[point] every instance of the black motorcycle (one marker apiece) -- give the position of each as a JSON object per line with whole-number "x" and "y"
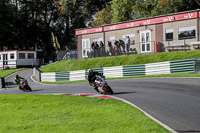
{"x": 23, "y": 85}
{"x": 102, "y": 85}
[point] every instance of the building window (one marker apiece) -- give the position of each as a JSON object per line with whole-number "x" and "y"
{"x": 169, "y": 34}
{"x": 30, "y": 55}
{"x": 85, "y": 47}
{"x": 187, "y": 32}
{"x": 132, "y": 38}
{"x": 112, "y": 40}
{"x": 22, "y": 56}
{"x": 98, "y": 40}
{"x": 12, "y": 56}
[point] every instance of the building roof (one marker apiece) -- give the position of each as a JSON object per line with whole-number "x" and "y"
{"x": 17, "y": 51}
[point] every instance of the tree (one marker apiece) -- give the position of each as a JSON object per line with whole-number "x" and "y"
{"x": 121, "y": 10}
{"x": 151, "y": 8}
{"x": 103, "y": 17}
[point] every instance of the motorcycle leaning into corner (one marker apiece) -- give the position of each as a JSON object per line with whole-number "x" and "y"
{"x": 23, "y": 84}
{"x": 99, "y": 83}
{"x": 103, "y": 87}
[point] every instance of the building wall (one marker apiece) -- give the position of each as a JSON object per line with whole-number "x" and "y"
{"x": 11, "y": 62}
{"x": 26, "y": 61}
{"x": 198, "y": 33}
{"x": 175, "y": 26}
{"x": 157, "y": 31}
{"x": 79, "y": 47}
{"x": 94, "y": 35}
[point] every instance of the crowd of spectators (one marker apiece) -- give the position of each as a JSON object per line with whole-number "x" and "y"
{"x": 119, "y": 47}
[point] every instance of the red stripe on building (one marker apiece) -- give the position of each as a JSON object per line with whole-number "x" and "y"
{"x": 88, "y": 31}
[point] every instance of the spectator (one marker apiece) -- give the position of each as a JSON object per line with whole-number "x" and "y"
{"x": 103, "y": 51}
{"x": 110, "y": 47}
{"x": 93, "y": 49}
{"x": 118, "y": 47}
{"x": 127, "y": 43}
{"x": 96, "y": 49}
{"x": 122, "y": 44}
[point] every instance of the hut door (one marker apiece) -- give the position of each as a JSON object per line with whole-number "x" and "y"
{"x": 145, "y": 41}
{"x": 5, "y": 59}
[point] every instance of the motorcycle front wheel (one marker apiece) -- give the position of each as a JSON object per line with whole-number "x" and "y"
{"x": 108, "y": 89}
{"x": 28, "y": 88}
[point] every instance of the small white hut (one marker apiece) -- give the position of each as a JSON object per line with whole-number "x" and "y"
{"x": 18, "y": 58}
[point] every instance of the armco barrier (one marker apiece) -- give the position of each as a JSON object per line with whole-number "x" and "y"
{"x": 157, "y": 68}
{"x": 112, "y": 72}
{"x": 179, "y": 66}
{"x": 62, "y": 76}
{"x": 77, "y": 75}
{"x": 50, "y": 77}
{"x": 133, "y": 70}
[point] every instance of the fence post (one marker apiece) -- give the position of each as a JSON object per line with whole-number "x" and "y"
{"x": 168, "y": 45}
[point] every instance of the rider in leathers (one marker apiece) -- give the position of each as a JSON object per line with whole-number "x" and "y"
{"x": 91, "y": 78}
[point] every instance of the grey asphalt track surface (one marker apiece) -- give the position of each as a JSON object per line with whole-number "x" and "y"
{"x": 173, "y": 101}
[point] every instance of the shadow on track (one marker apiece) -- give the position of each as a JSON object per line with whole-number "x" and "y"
{"x": 119, "y": 93}
{"x": 37, "y": 90}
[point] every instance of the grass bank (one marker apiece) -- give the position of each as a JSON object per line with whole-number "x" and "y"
{"x": 50, "y": 113}
{"x": 4, "y": 73}
{"x": 72, "y": 65}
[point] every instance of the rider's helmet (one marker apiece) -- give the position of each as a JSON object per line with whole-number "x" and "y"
{"x": 90, "y": 71}
{"x": 17, "y": 76}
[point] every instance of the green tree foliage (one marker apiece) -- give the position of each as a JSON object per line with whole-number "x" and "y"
{"x": 149, "y": 8}
{"x": 103, "y": 17}
{"x": 26, "y": 24}
{"x": 121, "y": 10}
{"x": 7, "y": 19}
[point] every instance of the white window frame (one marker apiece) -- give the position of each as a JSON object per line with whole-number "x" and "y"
{"x": 85, "y": 47}
{"x": 186, "y": 27}
{"x": 145, "y": 42}
{"x": 97, "y": 40}
{"x": 112, "y": 39}
{"x": 10, "y": 56}
{"x": 170, "y": 30}
{"x": 22, "y": 58}
{"x": 33, "y": 55}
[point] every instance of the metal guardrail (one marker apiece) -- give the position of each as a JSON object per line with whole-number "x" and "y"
{"x": 174, "y": 44}
{"x": 178, "y": 66}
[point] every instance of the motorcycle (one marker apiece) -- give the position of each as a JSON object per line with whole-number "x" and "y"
{"x": 23, "y": 85}
{"x": 102, "y": 86}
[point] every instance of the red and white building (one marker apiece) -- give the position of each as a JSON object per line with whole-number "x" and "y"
{"x": 178, "y": 31}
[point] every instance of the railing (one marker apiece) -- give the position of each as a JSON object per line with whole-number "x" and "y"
{"x": 168, "y": 67}
{"x": 175, "y": 44}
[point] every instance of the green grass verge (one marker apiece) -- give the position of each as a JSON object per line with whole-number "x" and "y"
{"x": 143, "y": 76}
{"x": 59, "y": 114}
{"x": 4, "y": 73}
{"x": 72, "y": 65}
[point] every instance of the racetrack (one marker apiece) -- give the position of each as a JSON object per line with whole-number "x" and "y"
{"x": 173, "y": 101}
